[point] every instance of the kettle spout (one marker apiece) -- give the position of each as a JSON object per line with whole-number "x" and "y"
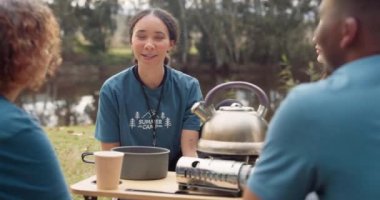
{"x": 204, "y": 113}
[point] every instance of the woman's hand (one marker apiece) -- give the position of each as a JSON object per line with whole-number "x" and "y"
{"x": 189, "y": 142}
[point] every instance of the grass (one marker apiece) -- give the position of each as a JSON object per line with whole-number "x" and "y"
{"x": 69, "y": 143}
{"x": 120, "y": 51}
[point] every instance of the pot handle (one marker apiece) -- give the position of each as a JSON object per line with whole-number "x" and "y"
{"x": 263, "y": 98}
{"x": 84, "y": 154}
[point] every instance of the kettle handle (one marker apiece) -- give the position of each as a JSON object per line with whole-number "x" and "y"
{"x": 263, "y": 98}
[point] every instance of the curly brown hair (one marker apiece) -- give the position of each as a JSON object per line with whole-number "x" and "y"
{"x": 29, "y": 45}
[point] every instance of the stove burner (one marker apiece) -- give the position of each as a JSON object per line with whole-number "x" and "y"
{"x": 204, "y": 175}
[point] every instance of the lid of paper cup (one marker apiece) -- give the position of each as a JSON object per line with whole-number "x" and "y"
{"x": 108, "y": 153}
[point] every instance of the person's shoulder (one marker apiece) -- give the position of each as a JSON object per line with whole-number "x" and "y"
{"x": 117, "y": 79}
{"x": 314, "y": 89}
{"x": 308, "y": 93}
{"x": 14, "y": 120}
{"x": 181, "y": 76}
{"x": 11, "y": 110}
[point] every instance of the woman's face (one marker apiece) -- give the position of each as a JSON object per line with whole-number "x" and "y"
{"x": 150, "y": 41}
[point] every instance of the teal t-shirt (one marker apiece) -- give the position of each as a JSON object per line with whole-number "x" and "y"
{"x": 124, "y": 115}
{"x": 325, "y": 137}
{"x": 29, "y": 168}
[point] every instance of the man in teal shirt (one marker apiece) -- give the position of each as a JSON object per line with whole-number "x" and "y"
{"x": 325, "y": 137}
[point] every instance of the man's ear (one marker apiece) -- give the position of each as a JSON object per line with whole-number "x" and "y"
{"x": 349, "y": 32}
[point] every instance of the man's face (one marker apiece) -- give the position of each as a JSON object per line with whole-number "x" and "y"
{"x": 328, "y": 35}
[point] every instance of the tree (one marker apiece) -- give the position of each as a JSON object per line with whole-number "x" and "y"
{"x": 180, "y": 12}
{"x": 69, "y": 23}
{"x": 97, "y": 18}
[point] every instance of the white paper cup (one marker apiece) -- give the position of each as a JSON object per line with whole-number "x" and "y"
{"x": 107, "y": 168}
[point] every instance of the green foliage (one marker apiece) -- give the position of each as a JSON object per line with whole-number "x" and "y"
{"x": 313, "y": 72}
{"x": 98, "y": 23}
{"x": 224, "y": 33}
{"x": 286, "y": 78}
{"x": 95, "y": 20}
{"x": 112, "y": 57}
{"x": 223, "y": 38}
{"x": 250, "y": 36}
{"x": 69, "y": 23}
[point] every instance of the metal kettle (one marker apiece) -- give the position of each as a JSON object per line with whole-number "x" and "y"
{"x": 234, "y": 130}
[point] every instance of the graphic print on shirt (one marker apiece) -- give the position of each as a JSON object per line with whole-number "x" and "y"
{"x": 145, "y": 122}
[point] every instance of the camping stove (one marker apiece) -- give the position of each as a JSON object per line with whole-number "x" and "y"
{"x": 212, "y": 176}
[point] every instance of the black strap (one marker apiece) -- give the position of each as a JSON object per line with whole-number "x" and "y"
{"x": 153, "y": 115}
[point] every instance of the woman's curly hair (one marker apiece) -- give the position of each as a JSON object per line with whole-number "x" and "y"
{"x": 29, "y": 44}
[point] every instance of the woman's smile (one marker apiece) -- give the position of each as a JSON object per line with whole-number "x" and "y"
{"x": 148, "y": 56}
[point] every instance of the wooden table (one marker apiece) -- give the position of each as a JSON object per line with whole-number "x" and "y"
{"x": 162, "y": 189}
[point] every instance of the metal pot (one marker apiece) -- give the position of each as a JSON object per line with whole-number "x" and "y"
{"x": 144, "y": 162}
{"x": 232, "y": 130}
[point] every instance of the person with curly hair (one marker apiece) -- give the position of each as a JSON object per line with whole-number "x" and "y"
{"x": 29, "y": 52}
